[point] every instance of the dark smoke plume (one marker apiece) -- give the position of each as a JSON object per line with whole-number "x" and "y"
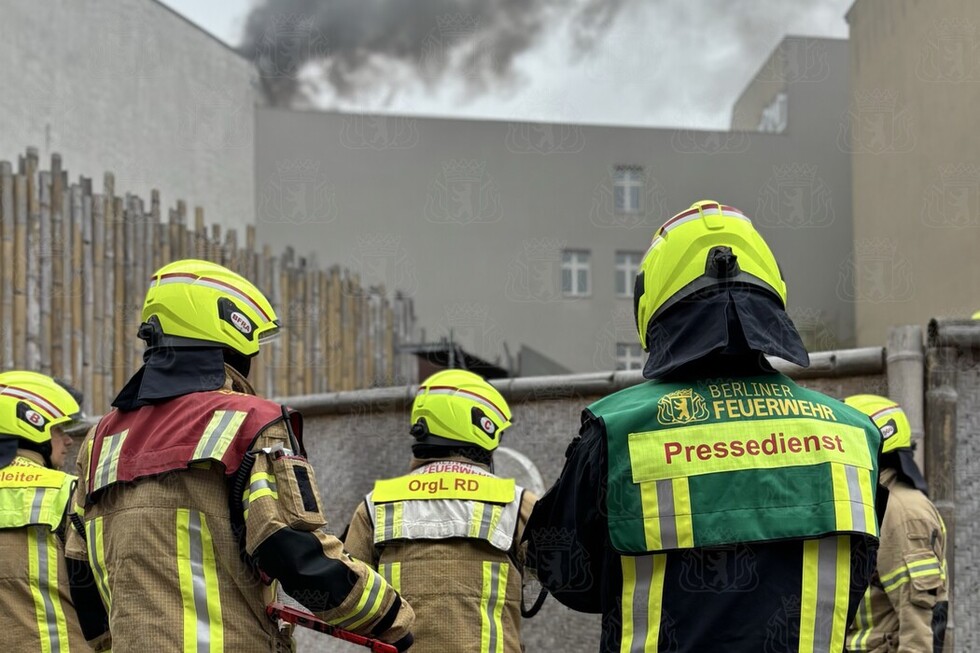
{"x": 355, "y": 44}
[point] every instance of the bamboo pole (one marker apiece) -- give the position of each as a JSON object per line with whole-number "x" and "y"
{"x": 20, "y": 271}
{"x": 130, "y": 244}
{"x": 60, "y": 283}
{"x": 334, "y": 331}
{"x": 7, "y": 219}
{"x": 33, "y": 329}
{"x": 45, "y": 249}
{"x": 109, "y": 305}
{"x": 82, "y": 287}
{"x": 119, "y": 366}
{"x": 99, "y": 316}
{"x": 74, "y": 315}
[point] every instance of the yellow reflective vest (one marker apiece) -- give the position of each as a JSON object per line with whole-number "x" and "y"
{"x": 38, "y": 614}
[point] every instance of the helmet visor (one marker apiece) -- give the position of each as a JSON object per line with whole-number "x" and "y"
{"x": 270, "y": 333}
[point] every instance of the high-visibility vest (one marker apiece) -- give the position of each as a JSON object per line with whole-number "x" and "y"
{"x": 735, "y": 460}
{"x": 218, "y": 426}
{"x": 430, "y": 504}
{"x": 33, "y": 498}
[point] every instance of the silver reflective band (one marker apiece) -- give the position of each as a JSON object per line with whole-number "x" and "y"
{"x": 858, "y": 522}
{"x": 199, "y": 583}
{"x": 665, "y": 506}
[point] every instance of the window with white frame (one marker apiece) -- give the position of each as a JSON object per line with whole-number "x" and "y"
{"x": 627, "y": 264}
{"x": 629, "y": 356}
{"x": 627, "y": 189}
{"x": 575, "y": 273}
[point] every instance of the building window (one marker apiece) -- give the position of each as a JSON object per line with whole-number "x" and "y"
{"x": 629, "y": 356}
{"x": 628, "y": 188}
{"x": 575, "y": 273}
{"x": 627, "y": 264}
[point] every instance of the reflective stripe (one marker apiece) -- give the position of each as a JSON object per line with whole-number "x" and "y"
{"x": 446, "y": 518}
{"x": 926, "y": 567}
{"x": 825, "y": 586}
{"x": 667, "y": 522}
{"x": 485, "y": 517}
{"x": 863, "y": 625}
{"x": 853, "y": 499}
{"x": 220, "y": 431}
{"x": 492, "y": 601}
{"x": 392, "y": 573}
{"x": 466, "y": 394}
{"x": 643, "y": 583}
{"x": 199, "y": 592}
{"x": 107, "y": 467}
{"x": 387, "y": 521}
{"x": 96, "y": 557}
{"x": 368, "y": 604}
{"x": 262, "y": 485}
{"x": 43, "y": 556}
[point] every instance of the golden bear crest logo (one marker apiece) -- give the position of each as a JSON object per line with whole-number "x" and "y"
{"x": 681, "y": 407}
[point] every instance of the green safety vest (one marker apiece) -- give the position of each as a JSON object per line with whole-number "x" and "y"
{"x": 33, "y": 495}
{"x": 735, "y": 460}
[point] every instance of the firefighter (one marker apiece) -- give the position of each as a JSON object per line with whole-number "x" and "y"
{"x": 194, "y": 493}
{"x": 717, "y": 506}
{"x": 34, "y": 495}
{"x": 906, "y": 606}
{"x": 446, "y": 535}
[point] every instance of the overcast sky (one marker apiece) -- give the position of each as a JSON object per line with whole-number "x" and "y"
{"x": 664, "y": 63}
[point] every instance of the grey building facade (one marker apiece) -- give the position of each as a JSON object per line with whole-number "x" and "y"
{"x": 512, "y": 234}
{"x": 131, "y": 87}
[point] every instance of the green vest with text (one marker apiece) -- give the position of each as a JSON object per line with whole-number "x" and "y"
{"x": 750, "y": 459}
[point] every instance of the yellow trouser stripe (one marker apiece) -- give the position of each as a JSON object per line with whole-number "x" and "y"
{"x": 826, "y": 580}
{"x": 96, "y": 557}
{"x": 199, "y": 592}
{"x": 863, "y": 625}
{"x": 368, "y": 604}
{"x": 492, "y": 602}
{"x": 43, "y": 557}
{"x": 643, "y": 583}
{"x": 392, "y": 573}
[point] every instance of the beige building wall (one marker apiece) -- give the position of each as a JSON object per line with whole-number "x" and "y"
{"x": 133, "y": 88}
{"x": 914, "y": 138}
{"x": 471, "y": 217}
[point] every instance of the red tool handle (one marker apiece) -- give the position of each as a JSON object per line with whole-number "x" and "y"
{"x": 308, "y": 620}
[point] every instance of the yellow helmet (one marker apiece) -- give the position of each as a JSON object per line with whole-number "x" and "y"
{"x": 976, "y": 316}
{"x": 708, "y": 245}
{"x": 32, "y": 404}
{"x": 192, "y": 301}
{"x": 455, "y": 406}
{"x": 896, "y": 433}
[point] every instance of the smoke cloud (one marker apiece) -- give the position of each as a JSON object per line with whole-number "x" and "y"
{"x": 354, "y": 45}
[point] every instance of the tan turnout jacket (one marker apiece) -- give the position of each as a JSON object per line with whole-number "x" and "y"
{"x": 466, "y": 593}
{"x": 896, "y": 612}
{"x": 168, "y": 564}
{"x": 37, "y": 614}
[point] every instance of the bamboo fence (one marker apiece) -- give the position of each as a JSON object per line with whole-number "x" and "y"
{"x": 75, "y": 265}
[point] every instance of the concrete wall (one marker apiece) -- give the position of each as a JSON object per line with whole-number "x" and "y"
{"x": 354, "y": 438}
{"x": 470, "y": 217}
{"x": 915, "y": 78}
{"x": 130, "y": 87}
